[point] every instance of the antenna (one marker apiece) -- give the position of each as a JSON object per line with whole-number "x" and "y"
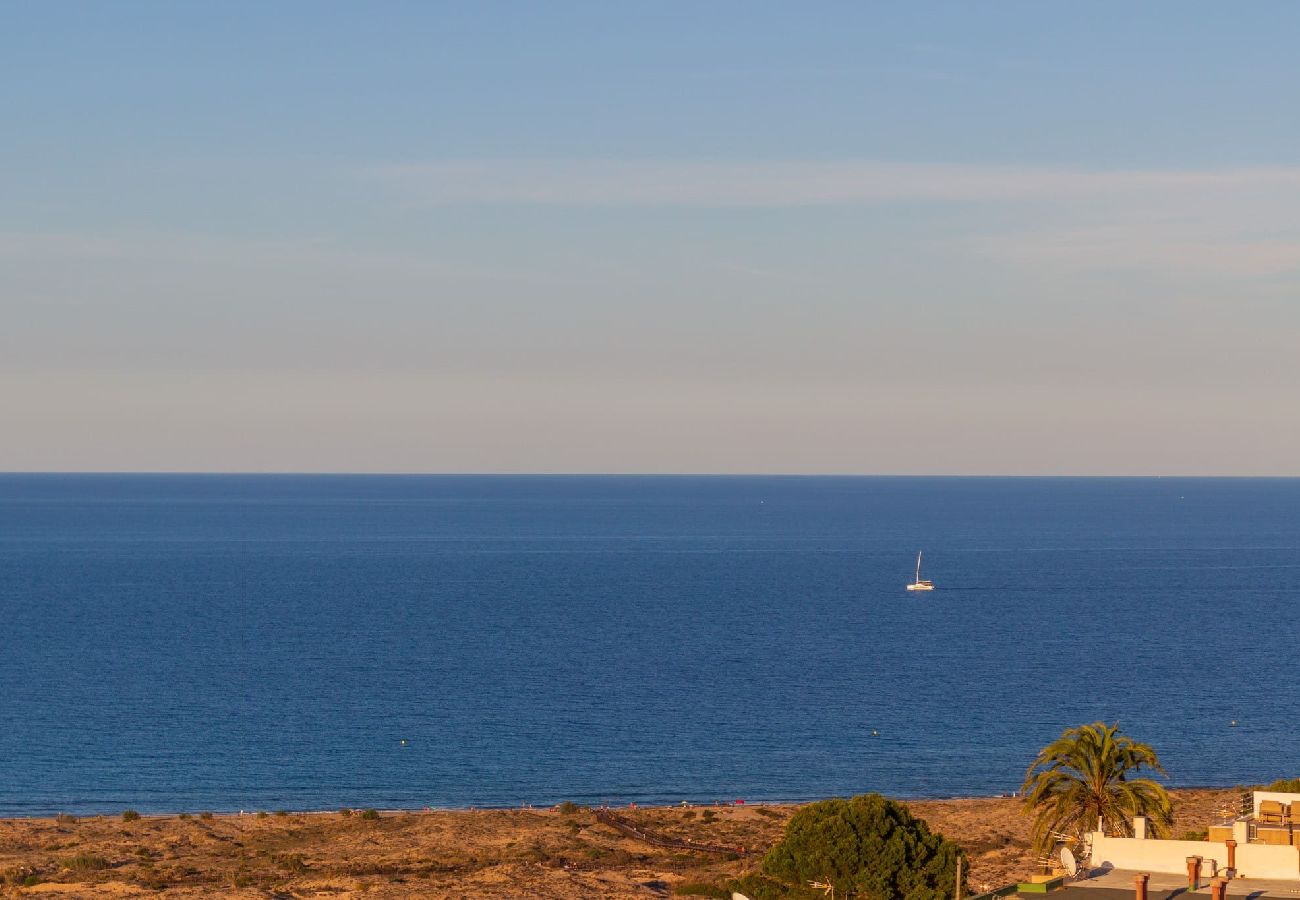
{"x": 1067, "y": 859}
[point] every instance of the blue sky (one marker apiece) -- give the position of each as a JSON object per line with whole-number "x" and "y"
{"x": 708, "y": 237}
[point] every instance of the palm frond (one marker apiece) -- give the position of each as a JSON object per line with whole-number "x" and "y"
{"x": 1090, "y": 774}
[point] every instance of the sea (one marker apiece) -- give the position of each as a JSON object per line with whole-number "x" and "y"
{"x": 224, "y": 642}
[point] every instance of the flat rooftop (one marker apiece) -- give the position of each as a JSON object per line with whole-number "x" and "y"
{"x": 1117, "y": 884}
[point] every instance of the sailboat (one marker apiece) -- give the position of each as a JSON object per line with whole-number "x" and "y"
{"x": 918, "y": 584}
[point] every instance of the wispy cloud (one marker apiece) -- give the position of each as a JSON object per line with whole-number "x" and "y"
{"x": 199, "y": 252}
{"x": 1225, "y": 222}
{"x": 1167, "y": 247}
{"x": 792, "y": 184}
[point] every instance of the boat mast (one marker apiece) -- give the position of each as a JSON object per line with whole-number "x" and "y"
{"x": 918, "y": 567}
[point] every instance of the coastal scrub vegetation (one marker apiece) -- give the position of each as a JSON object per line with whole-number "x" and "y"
{"x": 84, "y": 862}
{"x": 1087, "y": 774}
{"x": 19, "y": 876}
{"x": 470, "y": 853}
{"x": 1286, "y": 785}
{"x": 130, "y": 815}
{"x": 700, "y": 889}
{"x": 868, "y": 845}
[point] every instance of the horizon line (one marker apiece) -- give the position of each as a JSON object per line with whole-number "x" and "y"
{"x": 629, "y": 474}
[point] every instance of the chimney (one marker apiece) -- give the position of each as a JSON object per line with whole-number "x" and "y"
{"x": 1140, "y": 886}
{"x": 1140, "y": 827}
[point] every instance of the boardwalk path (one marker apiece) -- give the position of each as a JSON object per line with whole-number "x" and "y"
{"x": 632, "y": 830}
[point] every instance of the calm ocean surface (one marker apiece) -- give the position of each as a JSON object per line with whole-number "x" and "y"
{"x": 266, "y": 642}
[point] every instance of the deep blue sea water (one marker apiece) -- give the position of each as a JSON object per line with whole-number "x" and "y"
{"x": 264, "y": 642}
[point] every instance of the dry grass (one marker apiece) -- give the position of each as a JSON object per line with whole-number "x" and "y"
{"x": 484, "y": 853}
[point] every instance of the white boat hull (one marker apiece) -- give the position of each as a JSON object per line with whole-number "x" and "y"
{"x": 919, "y": 583}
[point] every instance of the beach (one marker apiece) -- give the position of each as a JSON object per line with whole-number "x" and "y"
{"x": 465, "y": 853}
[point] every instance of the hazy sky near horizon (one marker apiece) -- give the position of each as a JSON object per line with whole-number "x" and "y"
{"x": 1012, "y": 238}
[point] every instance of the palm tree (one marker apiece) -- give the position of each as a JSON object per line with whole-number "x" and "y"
{"x": 1087, "y": 774}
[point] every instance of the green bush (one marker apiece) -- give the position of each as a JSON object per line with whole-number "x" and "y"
{"x": 345, "y": 811}
{"x": 282, "y": 812}
{"x": 760, "y": 887}
{"x": 184, "y": 817}
{"x": 130, "y": 815}
{"x": 65, "y": 819}
{"x": 370, "y": 814}
{"x": 205, "y": 816}
{"x": 695, "y": 889}
{"x": 568, "y": 807}
{"x": 262, "y": 814}
{"x": 1194, "y": 836}
{"x": 1286, "y": 786}
{"x": 868, "y": 845}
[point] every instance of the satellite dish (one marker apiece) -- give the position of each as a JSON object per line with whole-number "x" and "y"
{"x": 1067, "y": 859}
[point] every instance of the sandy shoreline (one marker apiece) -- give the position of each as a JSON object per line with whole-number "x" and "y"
{"x": 463, "y": 852}
{"x": 616, "y": 803}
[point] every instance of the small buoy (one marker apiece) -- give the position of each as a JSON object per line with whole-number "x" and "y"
{"x": 874, "y": 733}
{"x": 403, "y": 742}
{"x": 1234, "y": 723}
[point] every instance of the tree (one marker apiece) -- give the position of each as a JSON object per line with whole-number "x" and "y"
{"x": 869, "y": 846}
{"x": 1088, "y": 774}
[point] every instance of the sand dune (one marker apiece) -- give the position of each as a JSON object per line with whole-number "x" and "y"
{"x": 460, "y": 853}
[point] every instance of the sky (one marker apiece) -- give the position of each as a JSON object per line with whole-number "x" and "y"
{"x": 725, "y": 237}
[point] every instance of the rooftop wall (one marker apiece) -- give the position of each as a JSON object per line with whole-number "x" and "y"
{"x": 1264, "y": 861}
{"x": 1253, "y": 860}
{"x": 1151, "y": 855}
